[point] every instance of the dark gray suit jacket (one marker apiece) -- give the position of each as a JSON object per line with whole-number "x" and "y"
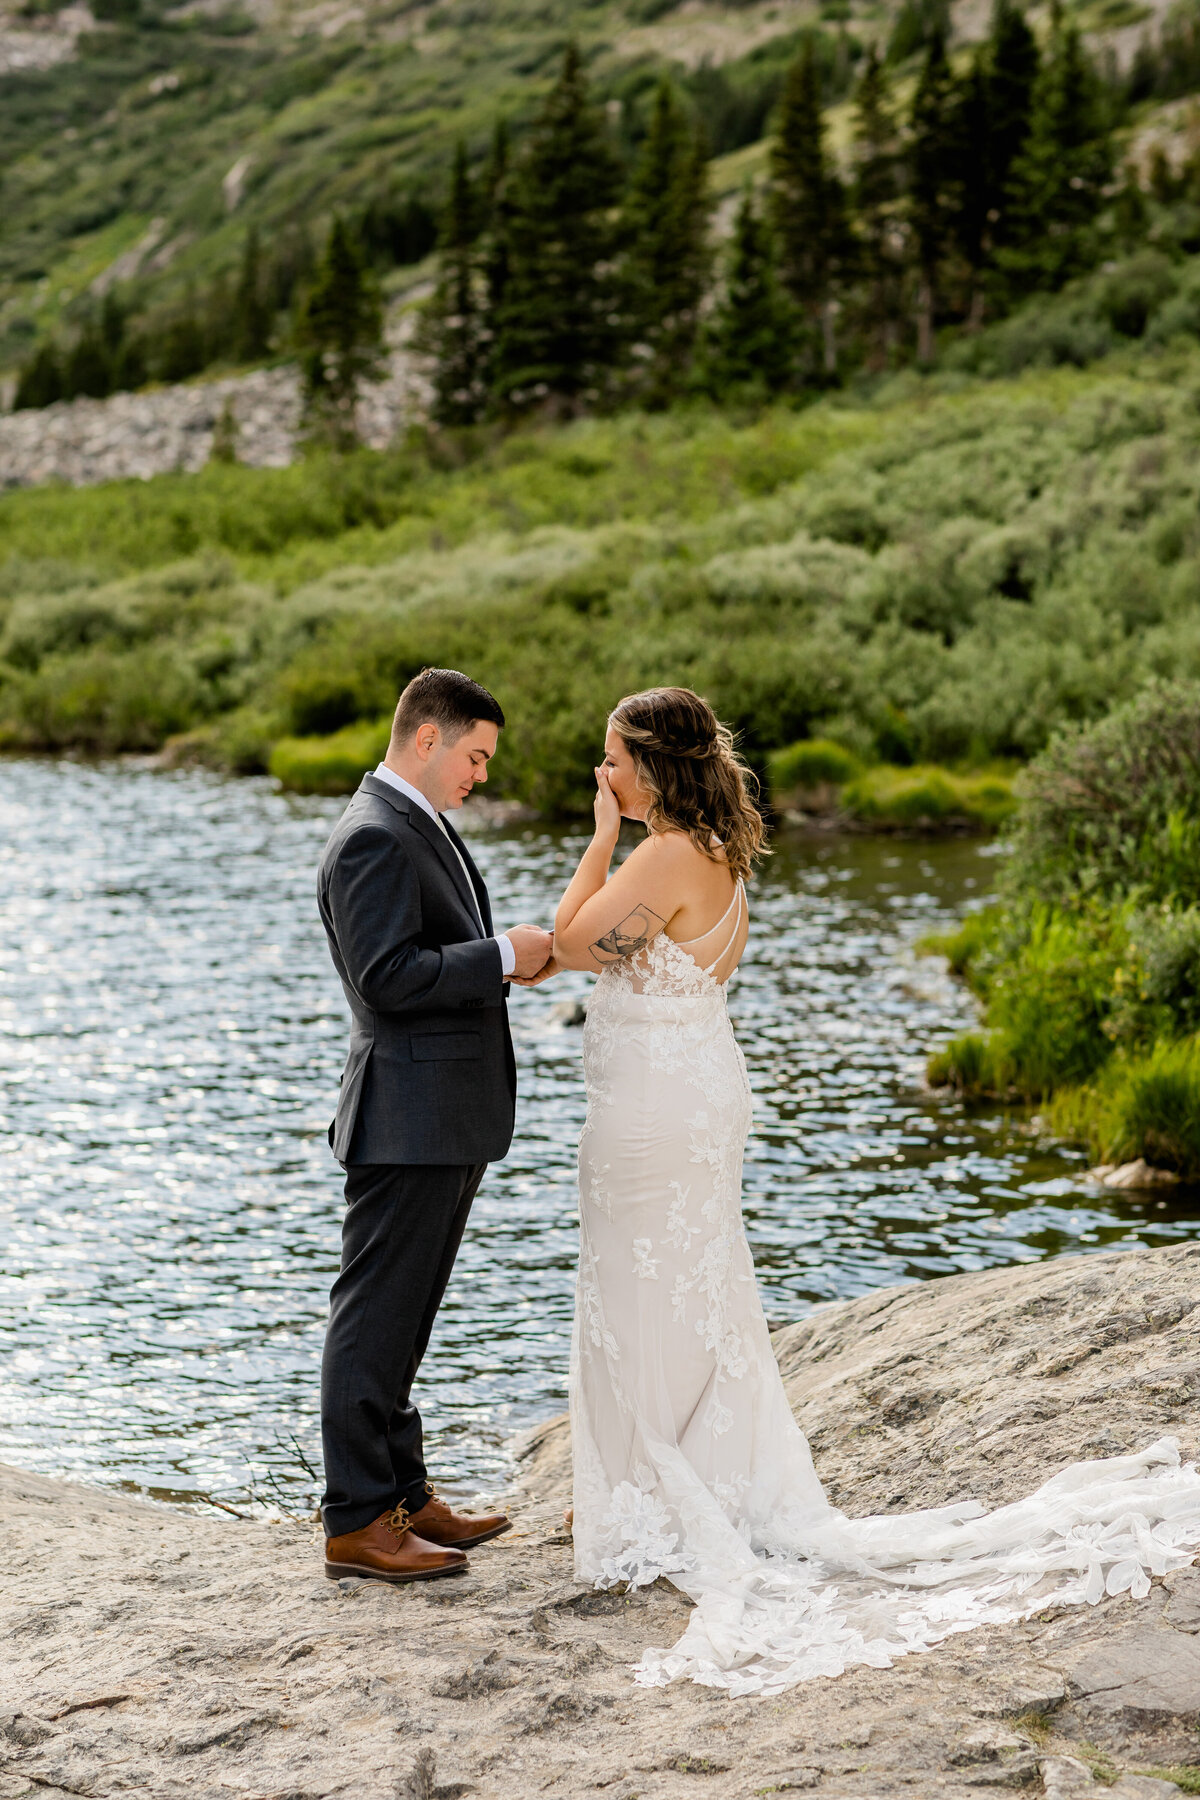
{"x": 430, "y": 1077}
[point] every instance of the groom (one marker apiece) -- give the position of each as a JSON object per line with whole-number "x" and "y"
{"x": 426, "y": 1103}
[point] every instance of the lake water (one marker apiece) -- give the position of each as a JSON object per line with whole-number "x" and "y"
{"x": 171, "y": 1035}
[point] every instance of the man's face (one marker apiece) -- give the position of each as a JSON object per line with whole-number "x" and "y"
{"x": 451, "y": 770}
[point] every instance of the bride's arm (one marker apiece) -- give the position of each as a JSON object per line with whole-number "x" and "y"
{"x": 601, "y": 920}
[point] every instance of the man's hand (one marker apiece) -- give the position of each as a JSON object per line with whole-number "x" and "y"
{"x": 544, "y": 973}
{"x": 532, "y": 947}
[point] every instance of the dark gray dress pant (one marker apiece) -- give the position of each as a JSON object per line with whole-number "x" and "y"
{"x": 400, "y": 1237}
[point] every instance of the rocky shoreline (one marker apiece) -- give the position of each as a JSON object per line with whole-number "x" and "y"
{"x": 158, "y": 1652}
{"x": 167, "y": 430}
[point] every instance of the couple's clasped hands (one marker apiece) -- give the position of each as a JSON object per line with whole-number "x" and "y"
{"x": 533, "y": 948}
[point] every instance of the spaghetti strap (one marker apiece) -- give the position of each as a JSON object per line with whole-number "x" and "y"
{"x": 737, "y": 895}
{"x": 732, "y": 938}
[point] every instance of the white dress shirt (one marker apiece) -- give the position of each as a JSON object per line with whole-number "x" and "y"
{"x": 508, "y": 956}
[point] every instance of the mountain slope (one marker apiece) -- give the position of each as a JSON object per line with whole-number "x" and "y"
{"x": 146, "y": 146}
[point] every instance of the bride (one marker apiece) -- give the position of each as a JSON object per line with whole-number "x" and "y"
{"x": 688, "y": 1462}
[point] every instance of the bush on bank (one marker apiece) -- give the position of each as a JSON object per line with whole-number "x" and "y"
{"x": 818, "y": 776}
{"x": 329, "y": 765}
{"x": 1088, "y": 964}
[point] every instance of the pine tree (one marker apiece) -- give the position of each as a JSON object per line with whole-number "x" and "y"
{"x": 932, "y": 180}
{"x": 341, "y": 331}
{"x": 1012, "y": 74}
{"x": 972, "y": 207}
{"x": 667, "y": 260}
{"x": 251, "y": 311}
{"x": 557, "y": 326}
{"x": 808, "y": 204}
{"x": 991, "y": 118}
{"x": 1058, "y": 179}
{"x": 182, "y": 350}
{"x": 223, "y": 448}
{"x": 750, "y": 343}
{"x": 453, "y": 325}
{"x": 496, "y": 204}
{"x": 41, "y": 381}
{"x": 129, "y": 368}
{"x": 876, "y": 197}
{"x": 88, "y": 367}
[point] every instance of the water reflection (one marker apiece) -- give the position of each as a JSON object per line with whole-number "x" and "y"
{"x": 172, "y": 1035}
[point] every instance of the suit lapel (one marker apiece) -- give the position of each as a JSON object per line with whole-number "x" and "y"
{"x": 434, "y": 836}
{"x": 477, "y": 881}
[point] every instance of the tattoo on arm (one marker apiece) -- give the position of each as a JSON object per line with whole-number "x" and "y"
{"x": 631, "y": 935}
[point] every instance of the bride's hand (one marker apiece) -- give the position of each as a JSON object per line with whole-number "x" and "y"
{"x": 608, "y": 813}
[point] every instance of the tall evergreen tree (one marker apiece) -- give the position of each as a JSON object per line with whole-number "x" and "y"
{"x": 1012, "y": 73}
{"x": 876, "y": 193}
{"x": 933, "y": 175}
{"x": 40, "y": 382}
{"x": 991, "y": 119}
{"x": 87, "y": 368}
{"x": 972, "y": 207}
{"x": 808, "y": 204}
{"x": 667, "y": 257}
{"x": 251, "y": 310}
{"x": 496, "y": 208}
{"x": 750, "y": 345}
{"x": 453, "y": 326}
{"x": 1058, "y": 179}
{"x": 341, "y": 332}
{"x": 558, "y": 330}
{"x": 181, "y": 349}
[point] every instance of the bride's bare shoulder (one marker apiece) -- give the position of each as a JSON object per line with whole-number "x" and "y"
{"x": 673, "y": 849}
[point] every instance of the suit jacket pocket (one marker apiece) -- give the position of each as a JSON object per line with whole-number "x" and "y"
{"x": 446, "y": 1046}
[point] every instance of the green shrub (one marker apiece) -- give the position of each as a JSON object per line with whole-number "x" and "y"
{"x": 238, "y": 742}
{"x": 965, "y": 947}
{"x": 1048, "y": 1007}
{"x": 1158, "y": 995}
{"x": 1048, "y": 982}
{"x": 329, "y": 765}
{"x": 928, "y": 797}
{"x": 811, "y": 763}
{"x": 47, "y": 625}
{"x": 1115, "y": 809}
{"x": 1146, "y": 1106}
{"x": 354, "y": 669}
{"x": 104, "y": 700}
{"x": 966, "y": 1064}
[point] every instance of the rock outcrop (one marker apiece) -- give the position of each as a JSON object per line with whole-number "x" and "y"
{"x": 162, "y": 430}
{"x": 156, "y": 1652}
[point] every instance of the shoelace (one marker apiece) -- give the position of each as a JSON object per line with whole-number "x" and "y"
{"x": 398, "y": 1522}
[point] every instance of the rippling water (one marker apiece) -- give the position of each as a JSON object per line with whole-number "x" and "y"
{"x": 172, "y": 1036}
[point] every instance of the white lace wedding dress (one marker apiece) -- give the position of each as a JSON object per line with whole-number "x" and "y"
{"x": 688, "y": 1461}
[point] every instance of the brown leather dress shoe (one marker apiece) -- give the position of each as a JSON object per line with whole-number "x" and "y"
{"x": 388, "y": 1549}
{"x": 441, "y": 1525}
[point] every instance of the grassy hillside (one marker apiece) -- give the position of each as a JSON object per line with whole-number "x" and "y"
{"x": 945, "y": 572}
{"x": 127, "y": 150}
{"x": 143, "y": 160}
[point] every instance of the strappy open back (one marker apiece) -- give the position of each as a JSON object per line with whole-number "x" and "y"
{"x": 737, "y": 906}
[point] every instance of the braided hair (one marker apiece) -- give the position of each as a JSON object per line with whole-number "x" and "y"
{"x": 686, "y": 761}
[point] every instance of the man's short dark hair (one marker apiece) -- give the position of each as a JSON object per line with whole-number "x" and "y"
{"x": 444, "y": 698}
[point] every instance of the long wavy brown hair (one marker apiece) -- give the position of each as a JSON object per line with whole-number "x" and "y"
{"x": 686, "y": 761}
